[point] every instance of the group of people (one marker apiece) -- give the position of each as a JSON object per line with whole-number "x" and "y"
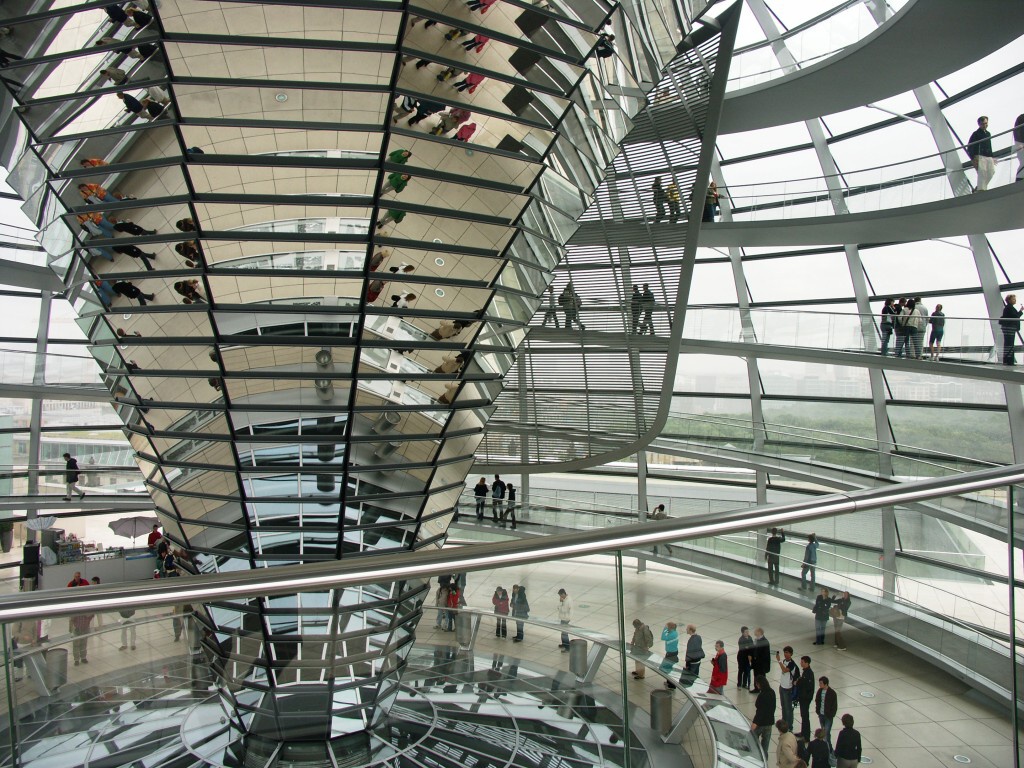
{"x": 797, "y": 688}
{"x": 906, "y": 319}
{"x": 642, "y": 303}
{"x": 515, "y": 604}
{"x": 503, "y": 500}
{"x": 667, "y": 196}
{"x": 827, "y": 607}
{"x": 448, "y": 599}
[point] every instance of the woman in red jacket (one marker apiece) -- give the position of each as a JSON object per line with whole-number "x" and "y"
{"x": 500, "y": 602}
{"x": 719, "y": 669}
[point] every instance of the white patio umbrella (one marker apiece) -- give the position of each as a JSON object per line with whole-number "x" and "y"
{"x": 133, "y": 527}
{"x": 41, "y": 523}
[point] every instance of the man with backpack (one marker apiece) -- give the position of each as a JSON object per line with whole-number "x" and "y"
{"x": 642, "y": 642}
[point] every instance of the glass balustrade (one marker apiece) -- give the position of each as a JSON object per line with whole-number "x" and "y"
{"x": 926, "y": 179}
{"x": 26, "y": 367}
{"x": 124, "y": 684}
{"x": 965, "y": 339}
{"x": 926, "y": 586}
{"x": 809, "y": 44}
{"x": 581, "y": 690}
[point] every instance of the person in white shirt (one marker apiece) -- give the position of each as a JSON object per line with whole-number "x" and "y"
{"x": 564, "y": 617}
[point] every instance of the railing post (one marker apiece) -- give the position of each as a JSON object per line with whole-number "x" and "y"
{"x": 1012, "y": 581}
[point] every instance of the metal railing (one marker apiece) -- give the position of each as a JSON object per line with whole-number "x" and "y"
{"x": 426, "y": 563}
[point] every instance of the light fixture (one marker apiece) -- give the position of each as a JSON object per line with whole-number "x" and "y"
{"x": 439, "y": 261}
{"x": 439, "y": 292}
{"x": 281, "y": 97}
{"x": 439, "y": 241}
{"x": 324, "y": 358}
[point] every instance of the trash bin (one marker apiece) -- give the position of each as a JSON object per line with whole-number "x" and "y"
{"x": 56, "y": 667}
{"x": 464, "y": 628}
{"x": 661, "y": 711}
{"x": 578, "y": 657}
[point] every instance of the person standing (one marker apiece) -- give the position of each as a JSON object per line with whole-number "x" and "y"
{"x": 659, "y": 198}
{"x": 71, "y": 478}
{"x": 772, "y": 553}
{"x": 510, "y": 505}
{"x": 919, "y": 321}
{"x": 848, "y": 745}
{"x": 520, "y": 610}
{"x": 805, "y": 695}
{"x": 154, "y": 539}
{"x": 900, "y": 316}
{"x": 672, "y": 197}
{"x": 788, "y": 675}
{"x": 480, "y": 492}
{"x": 764, "y": 713}
{"x": 647, "y": 301}
{"x": 938, "y": 323}
{"x": 694, "y": 656}
{"x": 396, "y": 182}
{"x": 564, "y": 617}
{"x": 711, "y": 199}
{"x": 762, "y": 655}
{"x": 643, "y": 640}
{"x": 501, "y": 607}
{"x": 497, "y": 494}
{"x": 840, "y": 607}
{"x": 786, "y": 750}
{"x": 822, "y": 605}
{"x": 78, "y": 625}
{"x": 635, "y": 300}
{"x": 571, "y": 302}
{"x": 670, "y": 636}
{"x": 441, "y": 603}
{"x": 886, "y": 325}
{"x": 819, "y": 751}
{"x": 979, "y": 149}
{"x": 1009, "y": 322}
{"x": 127, "y": 630}
{"x": 826, "y": 704}
{"x": 453, "y": 603}
{"x": 744, "y": 657}
{"x": 810, "y": 561}
{"x": 550, "y": 313}
{"x": 719, "y": 669}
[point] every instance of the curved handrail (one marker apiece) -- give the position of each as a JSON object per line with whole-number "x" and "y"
{"x": 856, "y": 565}
{"x": 287, "y": 579}
{"x": 813, "y": 25}
{"x": 842, "y": 175}
{"x": 825, "y": 437}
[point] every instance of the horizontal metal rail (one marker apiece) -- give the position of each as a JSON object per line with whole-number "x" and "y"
{"x": 426, "y": 563}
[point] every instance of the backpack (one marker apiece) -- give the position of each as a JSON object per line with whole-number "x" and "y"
{"x": 648, "y": 637}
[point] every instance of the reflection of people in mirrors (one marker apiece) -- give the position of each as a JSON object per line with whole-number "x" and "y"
{"x": 391, "y": 216}
{"x": 550, "y": 311}
{"x": 402, "y": 301}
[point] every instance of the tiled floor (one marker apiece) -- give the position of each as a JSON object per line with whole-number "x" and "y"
{"x": 916, "y": 717}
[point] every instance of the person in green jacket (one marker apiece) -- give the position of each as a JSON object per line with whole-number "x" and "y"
{"x": 399, "y": 156}
{"x": 396, "y": 182}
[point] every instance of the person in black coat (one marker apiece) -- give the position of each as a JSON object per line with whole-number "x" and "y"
{"x": 817, "y": 751}
{"x": 131, "y": 291}
{"x": 805, "y": 695}
{"x": 764, "y": 712}
{"x": 1009, "y": 322}
{"x": 744, "y": 657}
{"x": 847, "y": 744}
{"x": 762, "y": 655}
{"x": 826, "y": 705}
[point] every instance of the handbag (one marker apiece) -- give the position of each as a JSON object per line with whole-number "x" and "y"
{"x": 835, "y": 612}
